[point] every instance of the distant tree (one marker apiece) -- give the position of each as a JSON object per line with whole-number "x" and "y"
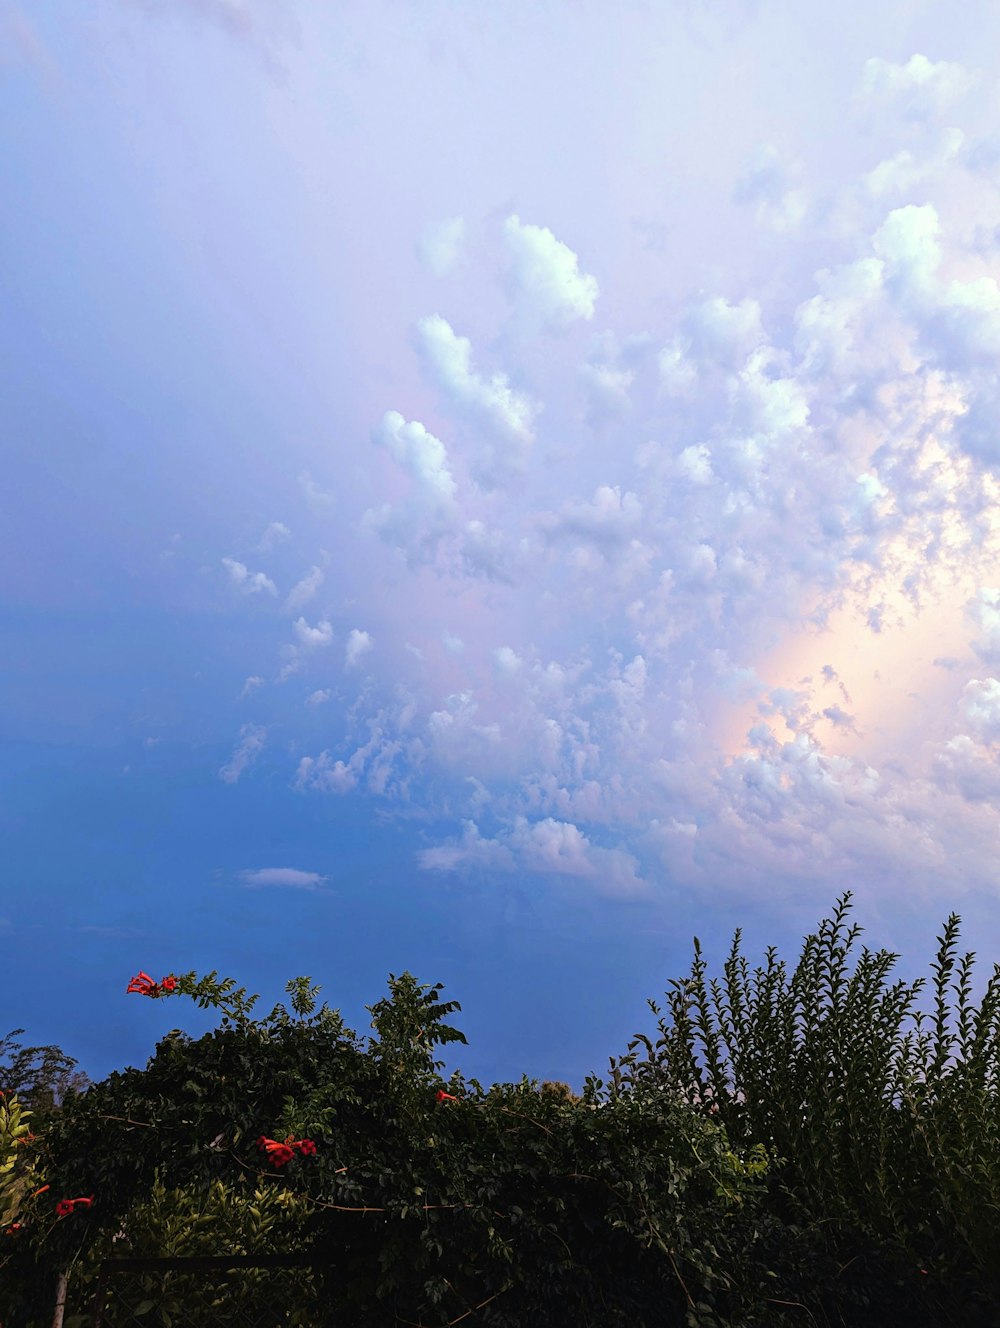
{"x": 559, "y": 1091}
{"x": 40, "y": 1076}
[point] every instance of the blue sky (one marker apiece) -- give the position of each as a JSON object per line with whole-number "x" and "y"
{"x": 493, "y": 491}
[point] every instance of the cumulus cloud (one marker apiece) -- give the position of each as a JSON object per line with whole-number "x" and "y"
{"x": 717, "y": 639}
{"x": 919, "y": 90}
{"x": 289, "y": 877}
{"x": 544, "y": 276}
{"x": 317, "y": 698}
{"x": 358, "y": 644}
{"x": 252, "y": 741}
{"x": 376, "y": 765}
{"x": 981, "y": 707}
{"x": 606, "y": 523}
{"x": 251, "y": 583}
{"x": 964, "y": 767}
{"x": 549, "y": 847}
{"x": 470, "y": 850}
{"x": 506, "y": 413}
{"x": 329, "y": 776}
{"x": 307, "y": 640}
{"x": 507, "y": 661}
{"x": 312, "y": 638}
{"x": 440, "y": 244}
{"x": 897, "y": 175}
{"x": 421, "y": 455}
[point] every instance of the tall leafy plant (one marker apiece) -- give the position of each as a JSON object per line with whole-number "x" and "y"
{"x": 887, "y": 1118}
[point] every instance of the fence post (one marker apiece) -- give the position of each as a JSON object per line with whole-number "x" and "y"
{"x": 100, "y": 1297}
{"x": 57, "y": 1317}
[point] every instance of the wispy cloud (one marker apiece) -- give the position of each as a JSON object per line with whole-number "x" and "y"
{"x": 252, "y": 740}
{"x": 303, "y": 591}
{"x": 291, "y": 878}
{"x": 440, "y": 245}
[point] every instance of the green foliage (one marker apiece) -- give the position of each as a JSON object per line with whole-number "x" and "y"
{"x": 786, "y": 1153}
{"x": 16, "y": 1181}
{"x": 888, "y": 1139}
{"x": 179, "y": 1224}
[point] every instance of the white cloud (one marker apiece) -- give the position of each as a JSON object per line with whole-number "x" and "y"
{"x": 965, "y": 767}
{"x": 252, "y": 741}
{"x": 486, "y": 552}
{"x": 251, "y": 685}
{"x": 900, "y": 173}
{"x": 358, "y": 645}
{"x": 290, "y": 877}
{"x": 765, "y": 185}
{"x": 251, "y": 583}
{"x": 550, "y": 847}
{"x": 440, "y": 244}
{"x": 303, "y": 591}
{"x": 373, "y": 765}
{"x": 981, "y": 707}
{"x": 544, "y": 276}
{"x": 720, "y": 620}
{"x": 907, "y": 242}
{"x": 276, "y": 533}
{"x": 311, "y": 638}
{"x": 507, "y": 413}
{"x": 920, "y": 90}
{"x": 471, "y": 850}
{"x": 318, "y": 697}
{"x": 695, "y": 464}
{"x": 508, "y": 662}
{"x": 608, "y": 520}
{"x": 328, "y": 776}
{"x": 677, "y": 374}
{"x": 318, "y": 498}
{"x": 419, "y": 453}
{"x": 607, "y": 393}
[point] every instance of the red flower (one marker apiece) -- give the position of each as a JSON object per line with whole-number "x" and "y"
{"x": 441, "y": 1095}
{"x": 65, "y": 1206}
{"x": 145, "y": 985}
{"x": 280, "y": 1153}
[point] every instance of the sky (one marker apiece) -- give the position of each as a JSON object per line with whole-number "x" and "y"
{"x": 494, "y": 492}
